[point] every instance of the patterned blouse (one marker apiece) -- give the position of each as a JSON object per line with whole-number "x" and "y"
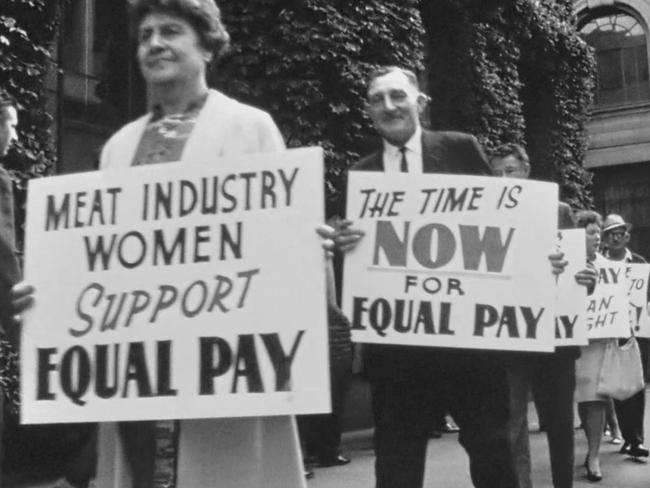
{"x": 163, "y": 141}
{"x": 165, "y": 136}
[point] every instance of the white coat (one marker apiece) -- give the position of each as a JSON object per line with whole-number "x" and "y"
{"x": 258, "y": 452}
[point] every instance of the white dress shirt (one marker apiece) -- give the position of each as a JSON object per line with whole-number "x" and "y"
{"x": 393, "y": 156}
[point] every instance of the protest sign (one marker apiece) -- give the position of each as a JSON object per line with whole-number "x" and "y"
{"x": 607, "y": 306}
{"x": 637, "y": 278}
{"x": 177, "y": 291}
{"x": 451, "y": 261}
{"x": 570, "y": 323}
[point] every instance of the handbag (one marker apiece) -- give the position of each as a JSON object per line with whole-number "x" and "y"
{"x": 621, "y": 374}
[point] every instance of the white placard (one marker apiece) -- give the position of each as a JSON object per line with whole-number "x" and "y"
{"x": 177, "y": 291}
{"x": 607, "y": 306}
{"x": 637, "y": 276}
{"x": 570, "y": 323}
{"x": 451, "y": 261}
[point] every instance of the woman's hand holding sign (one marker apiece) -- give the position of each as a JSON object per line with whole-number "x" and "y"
{"x": 22, "y": 299}
{"x": 587, "y": 277}
{"x": 558, "y": 263}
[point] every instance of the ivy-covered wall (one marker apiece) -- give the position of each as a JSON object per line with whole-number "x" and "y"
{"x": 514, "y": 71}
{"x": 505, "y": 70}
{"x": 306, "y": 61}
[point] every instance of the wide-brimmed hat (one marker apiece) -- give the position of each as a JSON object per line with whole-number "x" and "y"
{"x": 614, "y": 221}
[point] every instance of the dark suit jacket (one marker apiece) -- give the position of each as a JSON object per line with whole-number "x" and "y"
{"x": 442, "y": 152}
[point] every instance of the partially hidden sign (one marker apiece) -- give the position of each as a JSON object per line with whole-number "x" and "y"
{"x": 608, "y": 306}
{"x": 570, "y": 322}
{"x": 177, "y": 291}
{"x": 451, "y": 261}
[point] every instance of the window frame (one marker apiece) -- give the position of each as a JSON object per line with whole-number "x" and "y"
{"x": 589, "y": 15}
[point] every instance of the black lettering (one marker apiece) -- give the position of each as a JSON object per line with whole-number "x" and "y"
{"x": 164, "y": 361}
{"x": 98, "y": 250}
{"x": 484, "y": 316}
{"x": 208, "y": 369}
{"x": 102, "y": 386}
{"x": 75, "y": 390}
{"x": 136, "y": 371}
{"x": 53, "y": 216}
{"x": 281, "y": 362}
{"x": 45, "y": 366}
{"x": 247, "y": 365}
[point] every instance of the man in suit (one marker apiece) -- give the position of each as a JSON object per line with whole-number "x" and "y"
{"x": 630, "y": 412}
{"x": 551, "y": 376}
{"x": 408, "y": 384}
{"x": 9, "y": 265}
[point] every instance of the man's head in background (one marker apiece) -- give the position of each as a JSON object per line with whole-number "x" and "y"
{"x": 616, "y": 233}
{"x": 511, "y": 161}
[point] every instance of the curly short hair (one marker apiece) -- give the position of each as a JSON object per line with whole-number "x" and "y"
{"x": 510, "y": 149}
{"x": 586, "y": 217}
{"x": 203, "y": 15}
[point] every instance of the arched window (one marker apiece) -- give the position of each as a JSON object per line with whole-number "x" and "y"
{"x": 621, "y": 57}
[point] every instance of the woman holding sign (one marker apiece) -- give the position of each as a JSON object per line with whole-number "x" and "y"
{"x": 591, "y": 405}
{"x": 177, "y": 40}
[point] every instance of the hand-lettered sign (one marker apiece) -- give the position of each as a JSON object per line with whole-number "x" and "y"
{"x": 177, "y": 291}
{"x": 451, "y": 261}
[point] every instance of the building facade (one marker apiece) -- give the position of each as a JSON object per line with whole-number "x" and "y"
{"x": 99, "y": 88}
{"x": 619, "y": 130}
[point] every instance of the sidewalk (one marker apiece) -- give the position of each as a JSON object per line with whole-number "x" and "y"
{"x": 447, "y": 465}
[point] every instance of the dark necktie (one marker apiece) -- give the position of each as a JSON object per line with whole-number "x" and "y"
{"x": 403, "y": 166}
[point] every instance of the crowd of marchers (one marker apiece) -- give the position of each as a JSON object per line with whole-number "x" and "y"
{"x": 414, "y": 390}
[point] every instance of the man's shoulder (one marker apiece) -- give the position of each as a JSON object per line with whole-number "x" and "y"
{"x": 369, "y": 162}
{"x": 454, "y": 153}
{"x": 448, "y": 136}
{"x": 636, "y": 258}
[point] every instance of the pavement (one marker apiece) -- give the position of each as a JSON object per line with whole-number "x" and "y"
{"x": 447, "y": 465}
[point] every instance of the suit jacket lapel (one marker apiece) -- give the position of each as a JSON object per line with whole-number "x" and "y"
{"x": 431, "y": 153}
{"x": 377, "y": 162}
{"x": 372, "y": 162}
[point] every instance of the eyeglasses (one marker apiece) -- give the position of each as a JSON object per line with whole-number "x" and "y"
{"x": 619, "y": 234}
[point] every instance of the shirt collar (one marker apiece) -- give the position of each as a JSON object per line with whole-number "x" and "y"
{"x": 414, "y": 144}
{"x": 627, "y": 258}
